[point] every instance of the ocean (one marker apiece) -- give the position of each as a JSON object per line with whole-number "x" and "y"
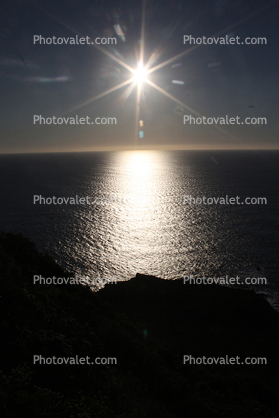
{"x": 106, "y": 216}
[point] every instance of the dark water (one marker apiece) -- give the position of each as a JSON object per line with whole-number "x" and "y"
{"x": 139, "y": 222}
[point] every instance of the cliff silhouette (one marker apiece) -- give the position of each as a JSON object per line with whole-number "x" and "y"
{"x": 149, "y": 325}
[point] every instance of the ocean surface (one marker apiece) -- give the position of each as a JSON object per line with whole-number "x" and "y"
{"x": 138, "y": 220}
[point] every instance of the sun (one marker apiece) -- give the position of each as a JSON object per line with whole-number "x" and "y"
{"x": 140, "y": 74}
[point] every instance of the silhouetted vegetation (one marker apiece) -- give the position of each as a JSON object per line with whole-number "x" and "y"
{"x": 148, "y": 324}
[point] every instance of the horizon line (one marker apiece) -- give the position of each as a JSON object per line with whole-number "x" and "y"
{"x": 123, "y": 148}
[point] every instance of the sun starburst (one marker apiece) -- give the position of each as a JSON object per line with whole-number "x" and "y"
{"x": 140, "y": 74}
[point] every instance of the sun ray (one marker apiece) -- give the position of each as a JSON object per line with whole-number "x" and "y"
{"x": 35, "y": 127}
{"x": 82, "y": 35}
{"x": 140, "y": 73}
{"x": 163, "y": 64}
{"x": 124, "y": 96}
{"x": 142, "y": 31}
{"x": 153, "y": 57}
{"x": 137, "y": 113}
{"x": 170, "y": 96}
{"x": 93, "y": 99}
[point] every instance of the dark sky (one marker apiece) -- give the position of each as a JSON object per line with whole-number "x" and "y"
{"x": 218, "y": 80}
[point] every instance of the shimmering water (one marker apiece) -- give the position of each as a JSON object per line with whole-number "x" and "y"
{"x": 139, "y": 221}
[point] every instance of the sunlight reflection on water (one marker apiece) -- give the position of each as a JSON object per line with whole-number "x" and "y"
{"x": 138, "y": 222}
{"x": 145, "y": 227}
